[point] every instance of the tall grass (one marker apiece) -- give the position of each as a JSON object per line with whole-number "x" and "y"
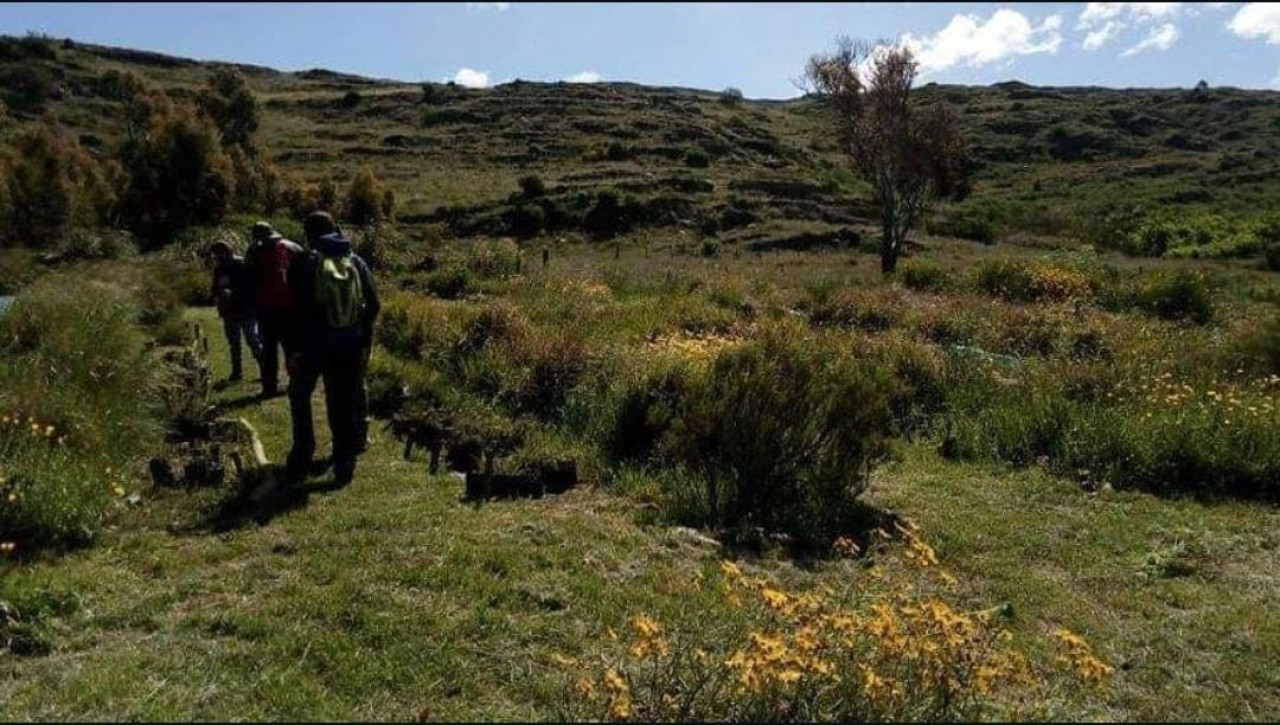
{"x": 74, "y": 395}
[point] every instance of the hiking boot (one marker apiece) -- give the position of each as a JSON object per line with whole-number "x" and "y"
{"x": 344, "y": 472}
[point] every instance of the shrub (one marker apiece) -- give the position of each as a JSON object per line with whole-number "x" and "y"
{"x": 788, "y": 656}
{"x": 646, "y": 410}
{"x": 231, "y": 105}
{"x": 178, "y": 174}
{"x": 1183, "y": 295}
{"x": 451, "y": 282}
{"x": 783, "y": 436}
{"x": 363, "y": 203}
{"x": 697, "y": 159}
{"x": 978, "y": 225}
{"x": 350, "y": 99}
{"x": 526, "y": 220}
{"x": 731, "y": 96}
{"x": 532, "y": 186}
{"x": 924, "y": 277}
{"x": 617, "y": 152}
{"x": 606, "y": 217}
{"x": 710, "y": 248}
{"x": 1031, "y": 282}
{"x": 49, "y": 186}
{"x": 868, "y": 309}
{"x": 28, "y": 87}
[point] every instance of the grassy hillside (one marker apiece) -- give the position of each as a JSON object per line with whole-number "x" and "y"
{"x": 1041, "y": 156}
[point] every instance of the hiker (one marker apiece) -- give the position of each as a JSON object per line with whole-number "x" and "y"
{"x": 335, "y": 305}
{"x": 269, "y": 257}
{"x": 232, "y": 291}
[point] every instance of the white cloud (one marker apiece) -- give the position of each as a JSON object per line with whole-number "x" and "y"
{"x": 970, "y": 40}
{"x": 586, "y": 76}
{"x": 1100, "y": 37}
{"x": 468, "y": 78}
{"x": 500, "y": 7}
{"x": 1218, "y": 6}
{"x": 1098, "y": 13}
{"x": 1161, "y": 38}
{"x": 1257, "y": 20}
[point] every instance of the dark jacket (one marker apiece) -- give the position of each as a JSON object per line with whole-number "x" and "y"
{"x": 311, "y": 335}
{"x": 232, "y": 289}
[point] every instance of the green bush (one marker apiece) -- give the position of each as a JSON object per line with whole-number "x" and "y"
{"x": 451, "y": 282}
{"x": 363, "y": 203}
{"x": 526, "y": 220}
{"x": 782, "y": 435}
{"x": 607, "y": 217}
{"x": 978, "y": 225}
{"x": 697, "y": 159}
{"x": 1182, "y": 295}
{"x": 532, "y": 186}
{"x": 924, "y": 277}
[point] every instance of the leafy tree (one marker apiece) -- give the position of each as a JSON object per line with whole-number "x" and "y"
{"x": 910, "y": 156}
{"x": 178, "y": 172}
{"x": 48, "y": 185}
{"x": 231, "y": 104}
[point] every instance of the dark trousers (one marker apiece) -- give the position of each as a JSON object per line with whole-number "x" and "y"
{"x": 234, "y": 330}
{"x": 272, "y": 326}
{"x": 343, "y": 388}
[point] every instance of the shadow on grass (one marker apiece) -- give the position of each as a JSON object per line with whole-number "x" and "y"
{"x": 261, "y": 501}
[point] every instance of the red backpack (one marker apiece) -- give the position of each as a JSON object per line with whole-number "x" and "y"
{"x": 270, "y": 261}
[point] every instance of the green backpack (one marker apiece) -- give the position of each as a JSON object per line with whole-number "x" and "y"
{"x": 339, "y": 294}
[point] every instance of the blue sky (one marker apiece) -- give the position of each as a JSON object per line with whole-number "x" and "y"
{"x": 756, "y": 47}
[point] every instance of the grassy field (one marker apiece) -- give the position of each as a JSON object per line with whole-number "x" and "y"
{"x": 390, "y": 596}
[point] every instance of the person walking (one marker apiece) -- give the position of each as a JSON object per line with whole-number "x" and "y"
{"x": 232, "y": 291}
{"x": 269, "y": 257}
{"x": 335, "y": 307}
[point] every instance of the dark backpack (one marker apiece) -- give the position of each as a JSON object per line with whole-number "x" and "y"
{"x": 271, "y": 262}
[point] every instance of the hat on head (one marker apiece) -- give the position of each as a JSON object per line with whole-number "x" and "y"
{"x": 317, "y": 224}
{"x": 262, "y": 231}
{"x": 222, "y": 245}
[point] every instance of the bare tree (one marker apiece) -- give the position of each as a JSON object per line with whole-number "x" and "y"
{"x": 910, "y": 156}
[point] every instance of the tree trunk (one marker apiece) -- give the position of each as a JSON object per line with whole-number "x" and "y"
{"x": 889, "y": 248}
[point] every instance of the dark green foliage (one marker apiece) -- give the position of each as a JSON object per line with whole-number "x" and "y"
{"x": 975, "y": 224}
{"x": 783, "y": 437}
{"x": 532, "y": 186}
{"x": 350, "y": 99}
{"x": 28, "y": 87}
{"x": 232, "y": 106}
{"x": 178, "y": 175}
{"x": 607, "y": 217}
{"x": 526, "y": 220}
{"x": 617, "y": 152}
{"x": 731, "y": 96}
{"x": 924, "y": 277}
{"x": 646, "y": 412}
{"x": 1182, "y": 295}
{"x": 697, "y": 159}
{"x": 450, "y": 282}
